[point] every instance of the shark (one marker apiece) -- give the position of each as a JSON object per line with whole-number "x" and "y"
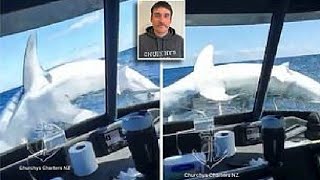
{"x": 47, "y": 94}
{"x": 225, "y": 82}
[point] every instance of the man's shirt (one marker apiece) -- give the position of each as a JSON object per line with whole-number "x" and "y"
{"x": 169, "y": 46}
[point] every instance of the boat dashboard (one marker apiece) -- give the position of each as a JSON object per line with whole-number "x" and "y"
{"x": 301, "y": 148}
{"x": 301, "y": 152}
{"x": 109, "y": 144}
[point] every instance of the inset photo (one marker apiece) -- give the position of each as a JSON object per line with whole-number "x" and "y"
{"x": 161, "y": 30}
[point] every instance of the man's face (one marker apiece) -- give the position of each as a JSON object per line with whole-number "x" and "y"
{"x": 161, "y": 20}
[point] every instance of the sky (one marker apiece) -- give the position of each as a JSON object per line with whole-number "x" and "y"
{"x": 82, "y": 37}
{"x": 247, "y": 42}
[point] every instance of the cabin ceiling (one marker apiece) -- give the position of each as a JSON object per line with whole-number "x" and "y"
{"x": 18, "y": 16}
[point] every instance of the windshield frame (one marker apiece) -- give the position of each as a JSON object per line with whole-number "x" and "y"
{"x": 275, "y": 30}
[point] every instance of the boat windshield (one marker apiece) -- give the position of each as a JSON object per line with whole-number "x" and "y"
{"x": 61, "y": 84}
{"x": 295, "y": 81}
{"x": 220, "y": 74}
{"x": 228, "y": 85}
{"x": 65, "y": 84}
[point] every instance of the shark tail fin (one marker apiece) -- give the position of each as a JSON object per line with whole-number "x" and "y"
{"x": 284, "y": 70}
{"x": 285, "y": 64}
{"x": 204, "y": 62}
{"x": 34, "y": 77}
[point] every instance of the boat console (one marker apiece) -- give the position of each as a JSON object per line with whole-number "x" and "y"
{"x": 300, "y": 157}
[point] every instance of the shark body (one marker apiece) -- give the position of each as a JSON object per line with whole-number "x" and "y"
{"x": 218, "y": 83}
{"x": 46, "y": 95}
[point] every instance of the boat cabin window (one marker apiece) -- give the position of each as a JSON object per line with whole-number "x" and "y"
{"x": 217, "y": 80}
{"x": 52, "y": 75}
{"x": 295, "y": 79}
{"x": 138, "y": 81}
{"x": 56, "y": 75}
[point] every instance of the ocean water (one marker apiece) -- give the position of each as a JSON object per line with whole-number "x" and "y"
{"x": 307, "y": 65}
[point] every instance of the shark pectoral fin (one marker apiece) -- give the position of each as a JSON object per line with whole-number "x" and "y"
{"x": 216, "y": 94}
{"x": 204, "y": 63}
{"x": 133, "y": 81}
{"x": 34, "y": 77}
{"x": 282, "y": 73}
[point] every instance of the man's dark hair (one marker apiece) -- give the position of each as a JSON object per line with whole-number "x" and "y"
{"x": 163, "y": 4}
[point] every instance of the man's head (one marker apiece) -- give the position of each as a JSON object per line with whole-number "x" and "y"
{"x": 161, "y": 15}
